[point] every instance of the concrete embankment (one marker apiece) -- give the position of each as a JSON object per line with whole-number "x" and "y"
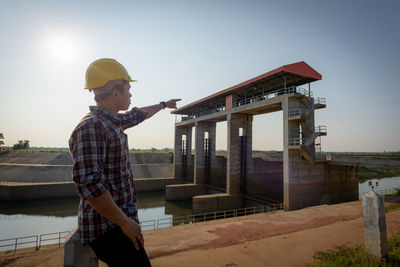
{"x": 26, "y": 191}
{"x": 271, "y": 239}
{"x": 37, "y": 175}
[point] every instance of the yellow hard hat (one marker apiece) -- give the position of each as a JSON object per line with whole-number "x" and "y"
{"x": 104, "y": 70}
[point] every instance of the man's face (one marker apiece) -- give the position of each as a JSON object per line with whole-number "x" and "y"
{"x": 125, "y": 97}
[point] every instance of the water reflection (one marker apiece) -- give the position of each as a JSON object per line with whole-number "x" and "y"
{"x": 60, "y": 207}
{"x": 65, "y": 207}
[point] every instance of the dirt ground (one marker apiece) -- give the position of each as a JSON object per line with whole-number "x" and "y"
{"x": 272, "y": 239}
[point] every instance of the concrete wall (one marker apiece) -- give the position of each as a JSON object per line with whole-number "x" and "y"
{"x": 266, "y": 179}
{"x": 37, "y": 191}
{"x": 44, "y": 174}
{"x": 64, "y": 158}
{"x": 311, "y": 183}
{"x": 67, "y": 189}
{"x": 15, "y": 173}
{"x": 218, "y": 172}
{"x": 152, "y": 170}
{"x": 320, "y": 183}
{"x": 341, "y": 184}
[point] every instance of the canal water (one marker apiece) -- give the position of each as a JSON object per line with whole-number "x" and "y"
{"x": 36, "y": 217}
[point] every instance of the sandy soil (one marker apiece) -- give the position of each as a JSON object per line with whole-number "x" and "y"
{"x": 274, "y": 239}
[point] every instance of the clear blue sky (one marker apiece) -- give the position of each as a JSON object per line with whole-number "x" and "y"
{"x": 191, "y": 49}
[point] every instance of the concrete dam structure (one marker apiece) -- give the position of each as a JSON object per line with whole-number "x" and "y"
{"x": 41, "y": 175}
{"x": 302, "y": 178}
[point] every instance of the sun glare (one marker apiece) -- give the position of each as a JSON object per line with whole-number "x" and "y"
{"x": 62, "y": 48}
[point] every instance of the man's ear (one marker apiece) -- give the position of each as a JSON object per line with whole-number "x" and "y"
{"x": 115, "y": 93}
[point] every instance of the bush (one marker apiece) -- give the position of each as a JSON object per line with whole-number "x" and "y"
{"x": 22, "y": 144}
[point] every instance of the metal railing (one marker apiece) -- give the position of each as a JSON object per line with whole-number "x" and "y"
{"x": 273, "y": 94}
{"x": 37, "y": 240}
{"x": 306, "y": 110}
{"x": 264, "y": 96}
{"x": 191, "y": 219}
{"x": 307, "y": 137}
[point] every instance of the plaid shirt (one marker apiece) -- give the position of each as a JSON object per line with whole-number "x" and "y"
{"x": 99, "y": 148}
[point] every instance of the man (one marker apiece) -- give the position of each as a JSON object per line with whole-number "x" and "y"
{"x": 107, "y": 216}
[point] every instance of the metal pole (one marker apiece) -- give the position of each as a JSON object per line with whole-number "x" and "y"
{"x": 309, "y": 90}
{"x": 284, "y": 78}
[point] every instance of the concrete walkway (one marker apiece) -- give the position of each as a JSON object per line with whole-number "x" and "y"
{"x": 279, "y": 239}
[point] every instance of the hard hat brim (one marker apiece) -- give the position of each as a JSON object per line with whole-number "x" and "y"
{"x": 87, "y": 87}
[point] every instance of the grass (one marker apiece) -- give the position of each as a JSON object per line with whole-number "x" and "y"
{"x": 385, "y": 153}
{"x": 365, "y": 173}
{"x": 357, "y": 256}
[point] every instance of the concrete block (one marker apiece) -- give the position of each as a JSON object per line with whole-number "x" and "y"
{"x": 375, "y": 225}
{"x": 193, "y": 190}
{"x": 229, "y": 202}
{"x": 204, "y": 204}
{"x": 77, "y": 255}
{"x": 175, "y": 192}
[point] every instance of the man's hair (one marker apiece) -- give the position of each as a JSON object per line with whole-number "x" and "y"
{"x": 102, "y": 97}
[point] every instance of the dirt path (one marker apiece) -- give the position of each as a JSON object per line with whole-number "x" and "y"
{"x": 279, "y": 239}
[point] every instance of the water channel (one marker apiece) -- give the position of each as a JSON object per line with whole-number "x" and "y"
{"x": 36, "y": 217}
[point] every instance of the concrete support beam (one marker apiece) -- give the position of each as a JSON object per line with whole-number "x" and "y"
{"x": 199, "y": 163}
{"x": 291, "y": 129}
{"x": 180, "y": 131}
{"x": 234, "y": 122}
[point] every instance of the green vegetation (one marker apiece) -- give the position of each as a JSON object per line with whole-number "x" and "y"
{"x": 392, "y": 208}
{"x": 357, "y": 256}
{"x": 22, "y": 144}
{"x": 2, "y": 152}
{"x": 368, "y": 173}
{"x": 385, "y": 153}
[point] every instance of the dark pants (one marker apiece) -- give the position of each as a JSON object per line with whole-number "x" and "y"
{"x": 116, "y": 249}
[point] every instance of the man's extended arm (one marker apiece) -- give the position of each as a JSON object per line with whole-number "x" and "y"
{"x": 105, "y": 205}
{"x": 151, "y": 110}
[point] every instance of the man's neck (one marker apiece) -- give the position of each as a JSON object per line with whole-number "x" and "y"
{"x": 110, "y": 108}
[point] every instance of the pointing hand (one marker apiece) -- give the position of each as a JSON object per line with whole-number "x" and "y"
{"x": 172, "y": 103}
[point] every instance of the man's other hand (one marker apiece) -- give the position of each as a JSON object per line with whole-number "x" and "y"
{"x": 132, "y": 230}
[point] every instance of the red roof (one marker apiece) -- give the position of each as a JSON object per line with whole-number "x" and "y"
{"x": 299, "y": 69}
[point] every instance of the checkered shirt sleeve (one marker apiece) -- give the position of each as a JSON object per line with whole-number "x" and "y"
{"x": 89, "y": 156}
{"x": 132, "y": 117}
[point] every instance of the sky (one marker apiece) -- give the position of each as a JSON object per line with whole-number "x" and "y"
{"x": 191, "y": 49}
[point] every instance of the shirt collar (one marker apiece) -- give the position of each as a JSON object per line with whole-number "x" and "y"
{"x": 105, "y": 114}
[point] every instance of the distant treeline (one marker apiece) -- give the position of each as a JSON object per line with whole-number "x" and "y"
{"x": 65, "y": 149}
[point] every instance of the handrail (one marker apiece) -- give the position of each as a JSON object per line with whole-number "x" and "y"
{"x": 305, "y": 137}
{"x": 35, "y": 239}
{"x": 268, "y": 95}
{"x": 305, "y": 111}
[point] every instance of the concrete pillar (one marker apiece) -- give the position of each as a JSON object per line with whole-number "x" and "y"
{"x": 375, "y": 225}
{"x": 199, "y": 162}
{"x": 178, "y": 167}
{"x": 77, "y": 255}
{"x": 234, "y": 122}
{"x": 290, "y": 157}
{"x": 310, "y": 121}
{"x": 212, "y": 135}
